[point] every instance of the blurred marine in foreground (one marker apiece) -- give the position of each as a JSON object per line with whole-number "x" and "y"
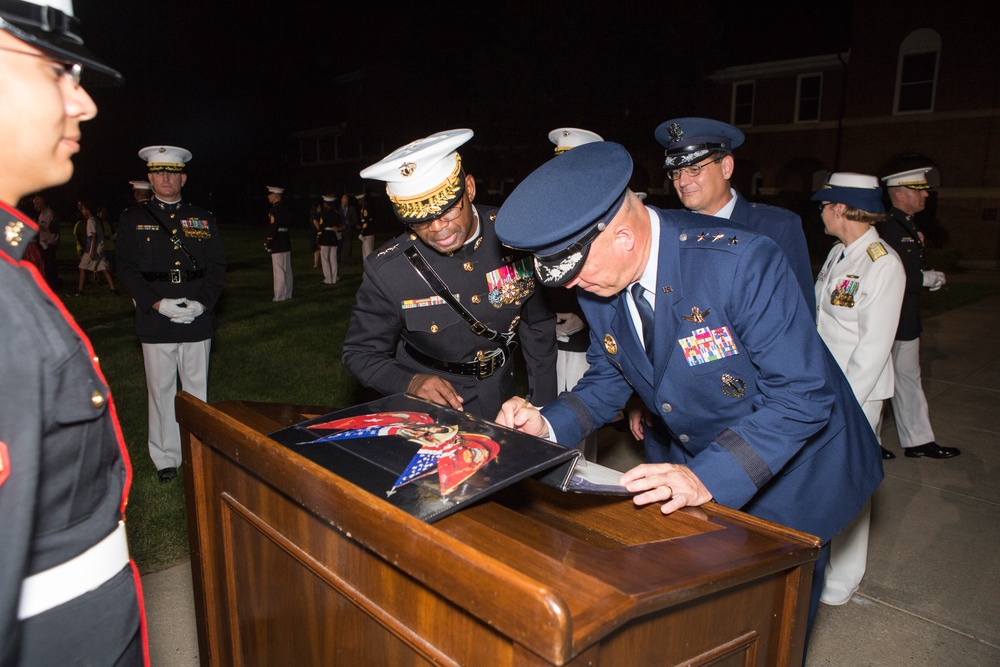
{"x": 69, "y": 593}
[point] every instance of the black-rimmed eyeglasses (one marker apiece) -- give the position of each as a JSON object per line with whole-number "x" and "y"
{"x": 692, "y": 171}
{"x": 69, "y": 69}
{"x": 823, "y": 205}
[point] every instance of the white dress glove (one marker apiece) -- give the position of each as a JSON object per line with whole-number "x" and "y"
{"x": 933, "y": 279}
{"x": 175, "y": 312}
{"x": 196, "y": 308}
{"x": 567, "y": 324}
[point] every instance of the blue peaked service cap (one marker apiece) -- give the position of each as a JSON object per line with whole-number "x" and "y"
{"x": 561, "y": 207}
{"x": 688, "y": 140}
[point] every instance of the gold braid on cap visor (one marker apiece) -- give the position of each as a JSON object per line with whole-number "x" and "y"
{"x": 429, "y": 204}
{"x": 165, "y": 166}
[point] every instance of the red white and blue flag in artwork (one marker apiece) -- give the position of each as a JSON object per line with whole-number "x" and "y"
{"x": 455, "y": 455}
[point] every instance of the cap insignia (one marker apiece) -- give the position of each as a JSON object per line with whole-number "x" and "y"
{"x": 429, "y": 204}
{"x": 407, "y": 169}
{"x": 675, "y": 132}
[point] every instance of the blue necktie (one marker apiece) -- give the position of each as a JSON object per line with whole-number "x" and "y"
{"x": 645, "y": 316}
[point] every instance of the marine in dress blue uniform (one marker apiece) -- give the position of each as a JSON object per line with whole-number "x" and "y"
{"x": 278, "y": 243}
{"x": 693, "y": 146}
{"x": 859, "y": 291}
{"x": 172, "y": 263}
{"x": 404, "y": 335}
{"x": 908, "y": 191}
{"x": 751, "y": 426}
{"x": 69, "y": 593}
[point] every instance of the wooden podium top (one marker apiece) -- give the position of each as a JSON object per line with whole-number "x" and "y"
{"x": 553, "y": 571}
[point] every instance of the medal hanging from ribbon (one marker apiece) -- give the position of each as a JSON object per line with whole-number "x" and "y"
{"x": 510, "y": 283}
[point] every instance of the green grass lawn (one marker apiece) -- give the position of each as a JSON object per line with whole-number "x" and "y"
{"x": 285, "y": 352}
{"x": 262, "y": 351}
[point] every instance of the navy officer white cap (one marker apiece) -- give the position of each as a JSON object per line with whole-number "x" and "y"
{"x": 165, "y": 158}
{"x": 566, "y": 138}
{"x": 140, "y": 185}
{"x": 860, "y": 191}
{"x": 915, "y": 179}
{"x": 423, "y": 178}
{"x": 275, "y": 190}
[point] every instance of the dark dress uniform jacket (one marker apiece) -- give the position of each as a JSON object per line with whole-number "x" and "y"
{"x": 773, "y": 428}
{"x": 144, "y": 247}
{"x": 900, "y": 231}
{"x": 392, "y": 307}
{"x": 784, "y": 228}
{"x": 64, "y": 472}
{"x": 329, "y": 222}
{"x": 279, "y": 225}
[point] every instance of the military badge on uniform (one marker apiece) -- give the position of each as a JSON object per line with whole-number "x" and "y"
{"x": 12, "y": 232}
{"x": 716, "y": 237}
{"x": 733, "y": 387}
{"x": 407, "y": 304}
{"x": 510, "y": 283}
{"x": 697, "y": 316}
{"x": 876, "y": 250}
{"x": 610, "y": 344}
{"x": 843, "y": 294}
{"x": 733, "y": 240}
{"x": 705, "y": 345}
{"x": 195, "y": 228}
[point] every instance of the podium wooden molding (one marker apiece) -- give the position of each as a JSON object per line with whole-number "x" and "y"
{"x": 292, "y": 565}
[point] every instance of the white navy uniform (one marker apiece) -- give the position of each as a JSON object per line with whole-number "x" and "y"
{"x": 859, "y": 292}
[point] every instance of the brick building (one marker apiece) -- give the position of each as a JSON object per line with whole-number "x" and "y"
{"x": 918, "y": 85}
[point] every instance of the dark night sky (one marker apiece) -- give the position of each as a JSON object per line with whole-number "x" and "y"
{"x": 230, "y": 81}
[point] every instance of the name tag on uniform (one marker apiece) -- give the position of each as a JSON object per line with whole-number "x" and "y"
{"x": 705, "y": 345}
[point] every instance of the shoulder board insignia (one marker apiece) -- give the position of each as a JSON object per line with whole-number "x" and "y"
{"x": 876, "y": 250}
{"x": 387, "y": 250}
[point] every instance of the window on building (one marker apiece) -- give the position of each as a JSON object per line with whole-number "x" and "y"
{"x": 743, "y": 103}
{"x": 916, "y": 74}
{"x": 807, "y": 97}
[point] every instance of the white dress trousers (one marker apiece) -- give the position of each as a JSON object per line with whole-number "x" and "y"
{"x": 163, "y": 363}
{"x": 281, "y": 263}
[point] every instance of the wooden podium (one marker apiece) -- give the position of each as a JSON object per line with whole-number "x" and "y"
{"x": 294, "y": 566}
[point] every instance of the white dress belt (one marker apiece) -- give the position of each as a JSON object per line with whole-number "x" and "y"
{"x": 52, "y": 587}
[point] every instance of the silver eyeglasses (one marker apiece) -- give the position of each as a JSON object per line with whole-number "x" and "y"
{"x": 69, "y": 69}
{"x": 691, "y": 171}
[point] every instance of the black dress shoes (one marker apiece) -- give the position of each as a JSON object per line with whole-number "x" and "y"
{"x": 886, "y": 454}
{"x": 932, "y": 450}
{"x": 166, "y": 474}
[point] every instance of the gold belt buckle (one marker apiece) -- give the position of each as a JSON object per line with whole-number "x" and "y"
{"x": 175, "y": 275}
{"x": 485, "y": 364}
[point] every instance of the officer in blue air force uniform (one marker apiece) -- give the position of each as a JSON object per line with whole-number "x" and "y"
{"x": 753, "y": 411}
{"x": 453, "y": 341}
{"x": 699, "y": 162}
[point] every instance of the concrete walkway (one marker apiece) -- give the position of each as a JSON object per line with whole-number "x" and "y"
{"x": 931, "y": 595}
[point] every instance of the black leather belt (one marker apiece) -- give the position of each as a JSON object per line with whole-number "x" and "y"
{"x": 173, "y": 276}
{"x": 485, "y": 365}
